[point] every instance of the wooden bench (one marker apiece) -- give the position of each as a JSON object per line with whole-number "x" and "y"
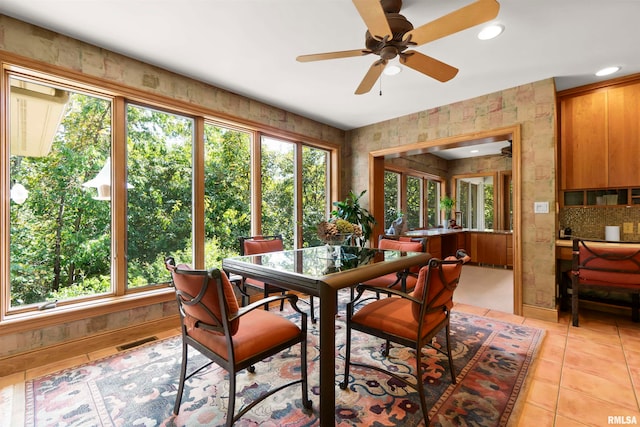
{"x": 612, "y": 266}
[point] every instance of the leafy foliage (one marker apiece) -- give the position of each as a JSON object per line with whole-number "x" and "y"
{"x": 61, "y": 237}
{"x": 349, "y": 209}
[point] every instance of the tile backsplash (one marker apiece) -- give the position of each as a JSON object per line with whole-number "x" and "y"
{"x": 589, "y": 222}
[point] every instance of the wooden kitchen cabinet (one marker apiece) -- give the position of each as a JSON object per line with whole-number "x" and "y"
{"x": 623, "y": 105}
{"x": 583, "y": 136}
{"x": 600, "y": 135}
{"x": 490, "y": 248}
{"x": 434, "y": 246}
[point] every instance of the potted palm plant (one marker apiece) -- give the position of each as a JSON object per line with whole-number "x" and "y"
{"x": 350, "y": 210}
{"x": 447, "y": 204}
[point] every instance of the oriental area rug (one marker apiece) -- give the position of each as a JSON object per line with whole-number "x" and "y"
{"x": 138, "y": 387}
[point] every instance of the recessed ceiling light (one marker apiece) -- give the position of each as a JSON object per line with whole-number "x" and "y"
{"x": 608, "y": 70}
{"x": 392, "y": 70}
{"x": 491, "y": 32}
{"x": 474, "y": 151}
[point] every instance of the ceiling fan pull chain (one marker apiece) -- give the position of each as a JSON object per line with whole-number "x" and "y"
{"x": 380, "y": 85}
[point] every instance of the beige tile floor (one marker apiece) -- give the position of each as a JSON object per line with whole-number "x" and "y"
{"x": 581, "y": 376}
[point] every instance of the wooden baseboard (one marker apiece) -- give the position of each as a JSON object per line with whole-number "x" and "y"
{"x": 540, "y": 313}
{"x": 46, "y": 355}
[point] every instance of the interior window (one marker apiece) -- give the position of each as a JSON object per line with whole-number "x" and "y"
{"x": 475, "y": 202}
{"x": 391, "y": 197}
{"x": 433, "y": 196}
{"x": 414, "y": 202}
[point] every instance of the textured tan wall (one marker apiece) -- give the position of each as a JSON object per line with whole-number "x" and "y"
{"x": 48, "y": 47}
{"x": 531, "y": 106}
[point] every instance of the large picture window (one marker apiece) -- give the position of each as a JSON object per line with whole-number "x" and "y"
{"x": 98, "y": 189}
{"x": 160, "y": 174}
{"x": 412, "y": 195}
{"x": 227, "y": 189}
{"x": 285, "y": 168}
{"x": 60, "y": 223}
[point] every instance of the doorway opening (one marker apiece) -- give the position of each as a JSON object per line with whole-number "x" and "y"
{"x": 511, "y": 133}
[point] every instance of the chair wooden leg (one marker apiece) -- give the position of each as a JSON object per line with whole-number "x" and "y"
{"x": 183, "y": 375}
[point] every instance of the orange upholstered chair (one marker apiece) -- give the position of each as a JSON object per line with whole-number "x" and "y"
{"x": 234, "y": 338}
{"x": 404, "y": 280}
{"x": 597, "y": 265}
{"x": 258, "y": 245}
{"x": 411, "y": 319}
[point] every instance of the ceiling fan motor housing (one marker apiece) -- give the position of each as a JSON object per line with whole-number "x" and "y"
{"x": 399, "y": 27}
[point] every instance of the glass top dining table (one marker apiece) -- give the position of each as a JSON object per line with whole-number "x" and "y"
{"x": 322, "y": 271}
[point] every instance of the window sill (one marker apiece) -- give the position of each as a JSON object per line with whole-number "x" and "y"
{"x": 35, "y": 320}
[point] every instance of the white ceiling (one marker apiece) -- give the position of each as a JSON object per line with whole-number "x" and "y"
{"x": 249, "y": 47}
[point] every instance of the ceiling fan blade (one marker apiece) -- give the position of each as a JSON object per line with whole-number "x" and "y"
{"x": 371, "y": 77}
{"x": 428, "y": 65}
{"x": 332, "y": 55}
{"x": 373, "y": 15}
{"x": 458, "y": 20}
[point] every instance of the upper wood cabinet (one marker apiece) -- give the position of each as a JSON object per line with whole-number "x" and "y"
{"x": 583, "y": 140}
{"x": 623, "y": 107}
{"x": 600, "y": 135}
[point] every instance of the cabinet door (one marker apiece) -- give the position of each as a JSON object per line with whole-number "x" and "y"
{"x": 624, "y": 135}
{"x": 471, "y": 245}
{"x": 492, "y": 249}
{"x": 434, "y": 246}
{"x": 583, "y": 141}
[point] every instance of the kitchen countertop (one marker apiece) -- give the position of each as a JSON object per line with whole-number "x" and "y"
{"x": 447, "y": 231}
{"x": 568, "y": 243}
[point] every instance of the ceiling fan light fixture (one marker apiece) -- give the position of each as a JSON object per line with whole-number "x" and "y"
{"x": 491, "y": 31}
{"x": 608, "y": 70}
{"x": 392, "y": 70}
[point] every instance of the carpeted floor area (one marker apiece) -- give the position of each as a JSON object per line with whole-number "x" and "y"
{"x": 138, "y": 386}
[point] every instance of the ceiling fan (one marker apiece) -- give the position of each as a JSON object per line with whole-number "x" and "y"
{"x": 390, "y": 34}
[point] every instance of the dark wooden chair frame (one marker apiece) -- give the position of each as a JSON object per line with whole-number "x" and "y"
{"x": 424, "y": 337}
{"x": 609, "y": 261}
{"x": 222, "y": 326}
